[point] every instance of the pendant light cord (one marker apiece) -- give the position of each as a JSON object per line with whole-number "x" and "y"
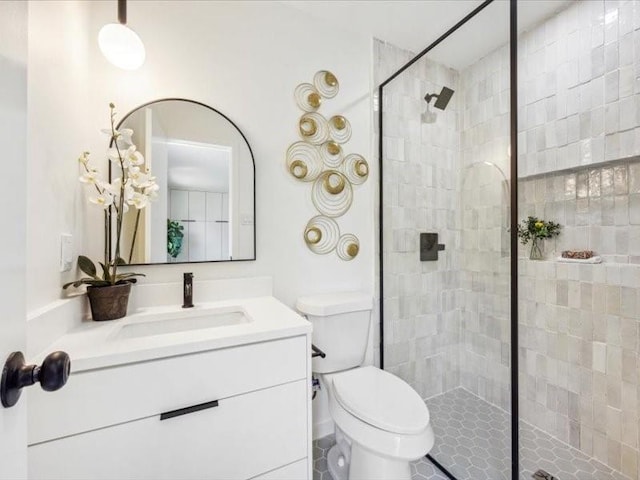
{"x": 122, "y": 11}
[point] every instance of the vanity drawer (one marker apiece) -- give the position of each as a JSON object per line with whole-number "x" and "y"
{"x": 100, "y": 398}
{"x": 240, "y": 438}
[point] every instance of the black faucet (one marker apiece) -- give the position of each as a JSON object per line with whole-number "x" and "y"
{"x": 187, "y": 290}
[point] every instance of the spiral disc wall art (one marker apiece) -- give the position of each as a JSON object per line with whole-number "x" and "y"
{"x": 332, "y": 193}
{"x": 355, "y": 168}
{"x": 321, "y": 234}
{"x": 307, "y": 97}
{"x": 326, "y": 83}
{"x": 348, "y": 246}
{"x": 313, "y": 128}
{"x": 339, "y": 129}
{"x": 304, "y": 161}
{"x": 331, "y": 154}
{"x": 320, "y": 158}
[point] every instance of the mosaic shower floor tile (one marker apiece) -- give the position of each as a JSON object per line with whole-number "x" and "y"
{"x": 473, "y": 443}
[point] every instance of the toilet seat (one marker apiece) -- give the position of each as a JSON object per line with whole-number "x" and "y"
{"x": 382, "y": 400}
{"x": 384, "y": 443}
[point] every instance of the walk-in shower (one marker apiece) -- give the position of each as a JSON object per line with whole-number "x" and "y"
{"x": 528, "y": 367}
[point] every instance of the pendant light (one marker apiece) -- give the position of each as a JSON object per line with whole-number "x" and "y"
{"x": 119, "y": 44}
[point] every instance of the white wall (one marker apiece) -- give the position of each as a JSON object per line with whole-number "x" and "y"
{"x": 58, "y": 88}
{"x": 13, "y": 118}
{"x": 245, "y": 59}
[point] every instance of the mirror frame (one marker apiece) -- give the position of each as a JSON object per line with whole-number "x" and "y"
{"x": 109, "y": 213}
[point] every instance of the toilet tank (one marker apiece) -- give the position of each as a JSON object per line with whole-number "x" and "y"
{"x": 340, "y": 328}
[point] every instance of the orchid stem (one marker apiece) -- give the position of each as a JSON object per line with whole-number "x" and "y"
{"x": 121, "y": 209}
{"x": 135, "y": 234}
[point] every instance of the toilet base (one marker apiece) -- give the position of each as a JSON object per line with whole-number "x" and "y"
{"x": 366, "y": 465}
{"x": 338, "y": 466}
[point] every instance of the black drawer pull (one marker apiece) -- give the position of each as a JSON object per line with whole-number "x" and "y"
{"x": 187, "y": 410}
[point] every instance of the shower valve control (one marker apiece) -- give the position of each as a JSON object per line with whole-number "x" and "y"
{"x": 429, "y": 247}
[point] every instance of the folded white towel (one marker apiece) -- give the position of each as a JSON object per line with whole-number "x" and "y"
{"x": 594, "y": 259}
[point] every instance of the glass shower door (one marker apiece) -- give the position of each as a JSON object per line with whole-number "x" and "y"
{"x": 445, "y": 257}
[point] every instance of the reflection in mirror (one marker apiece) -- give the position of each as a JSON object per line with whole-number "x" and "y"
{"x": 204, "y": 167}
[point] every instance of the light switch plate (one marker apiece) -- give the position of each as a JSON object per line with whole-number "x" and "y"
{"x": 247, "y": 219}
{"x": 66, "y": 252}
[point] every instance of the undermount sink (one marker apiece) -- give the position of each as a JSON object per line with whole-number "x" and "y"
{"x": 153, "y": 323}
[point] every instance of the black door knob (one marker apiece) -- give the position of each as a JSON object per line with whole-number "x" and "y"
{"x": 52, "y": 375}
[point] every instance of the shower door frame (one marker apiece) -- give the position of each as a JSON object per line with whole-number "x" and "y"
{"x": 513, "y": 217}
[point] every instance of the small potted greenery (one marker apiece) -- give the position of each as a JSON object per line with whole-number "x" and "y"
{"x": 175, "y": 236}
{"x": 535, "y": 230}
{"x": 108, "y": 289}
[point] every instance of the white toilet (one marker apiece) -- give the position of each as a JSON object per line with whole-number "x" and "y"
{"x": 382, "y": 424}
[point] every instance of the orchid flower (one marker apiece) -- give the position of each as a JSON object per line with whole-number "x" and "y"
{"x": 103, "y": 200}
{"x": 89, "y": 177}
{"x": 84, "y": 158}
{"x": 132, "y": 157}
{"x": 142, "y": 180}
{"x": 139, "y": 200}
{"x": 122, "y": 136}
{"x": 152, "y": 191}
{"x": 115, "y": 188}
{"x": 129, "y": 192}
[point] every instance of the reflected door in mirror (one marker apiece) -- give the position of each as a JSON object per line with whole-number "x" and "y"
{"x": 204, "y": 217}
{"x": 205, "y": 208}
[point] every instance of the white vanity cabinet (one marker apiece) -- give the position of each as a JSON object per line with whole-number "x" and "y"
{"x": 233, "y": 413}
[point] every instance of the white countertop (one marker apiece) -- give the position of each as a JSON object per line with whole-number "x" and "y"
{"x": 94, "y": 345}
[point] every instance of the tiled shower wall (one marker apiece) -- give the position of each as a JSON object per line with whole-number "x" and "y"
{"x": 579, "y": 79}
{"x": 579, "y": 338}
{"x": 420, "y": 174}
{"x": 580, "y": 122}
{"x": 483, "y": 296}
{"x": 447, "y": 322}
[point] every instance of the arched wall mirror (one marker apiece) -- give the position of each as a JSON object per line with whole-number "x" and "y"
{"x": 204, "y": 166}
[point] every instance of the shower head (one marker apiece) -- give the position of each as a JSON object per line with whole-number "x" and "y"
{"x": 442, "y": 98}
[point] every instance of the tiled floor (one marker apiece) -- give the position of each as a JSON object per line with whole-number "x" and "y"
{"x": 422, "y": 469}
{"x": 473, "y": 442}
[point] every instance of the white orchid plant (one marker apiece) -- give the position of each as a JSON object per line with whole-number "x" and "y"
{"x": 134, "y": 188}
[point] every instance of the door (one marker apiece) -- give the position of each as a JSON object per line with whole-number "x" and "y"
{"x": 13, "y": 128}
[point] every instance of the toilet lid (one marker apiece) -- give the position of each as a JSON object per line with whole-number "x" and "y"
{"x": 382, "y": 400}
